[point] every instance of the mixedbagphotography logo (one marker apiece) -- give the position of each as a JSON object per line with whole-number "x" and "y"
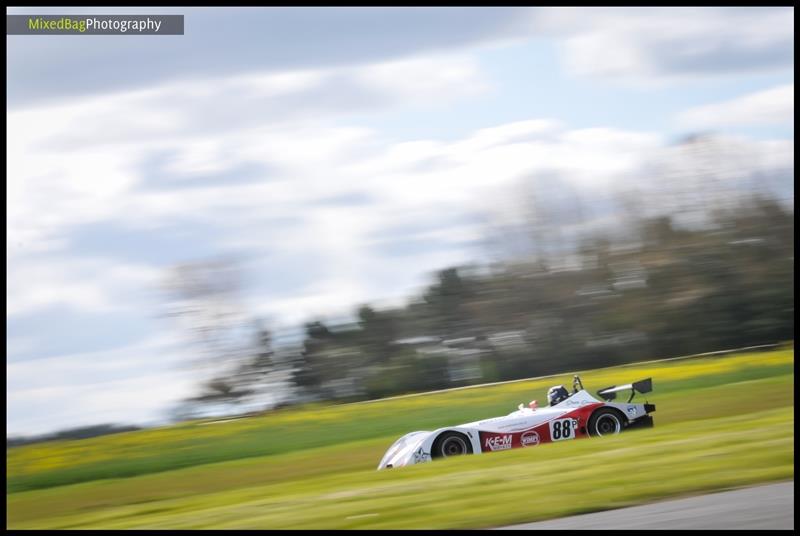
{"x": 94, "y": 24}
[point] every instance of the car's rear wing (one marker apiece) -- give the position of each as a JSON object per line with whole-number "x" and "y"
{"x": 642, "y": 386}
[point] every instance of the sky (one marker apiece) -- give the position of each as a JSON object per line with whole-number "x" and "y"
{"x": 341, "y": 155}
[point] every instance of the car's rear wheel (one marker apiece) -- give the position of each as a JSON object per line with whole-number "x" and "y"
{"x": 451, "y": 444}
{"x": 606, "y": 421}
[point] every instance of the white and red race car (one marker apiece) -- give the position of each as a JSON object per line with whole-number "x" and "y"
{"x": 568, "y": 416}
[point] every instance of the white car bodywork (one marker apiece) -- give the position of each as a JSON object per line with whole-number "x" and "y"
{"x": 522, "y": 428}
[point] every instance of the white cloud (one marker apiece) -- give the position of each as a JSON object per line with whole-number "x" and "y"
{"x": 405, "y": 183}
{"x": 645, "y": 46}
{"x": 774, "y": 106}
{"x": 425, "y": 80}
{"x": 229, "y": 42}
{"x": 83, "y": 284}
{"x": 444, "y": 183}
{"x": 202, "y": 106}
{"x": 132, "y": 384}
{"x": 76, "y": 163}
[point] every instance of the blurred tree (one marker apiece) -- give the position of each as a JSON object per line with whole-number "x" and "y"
{"x": 236, "y": 355}
{"x": 83, "y": 432}
{"x": 221, "y": 391}
{"x": 204, "y": 297}
{"x": 312, "y": 368}
{"x": 378, "y": 334}
{"x": 447, "y": 302}
{"x": 659, "y": 287}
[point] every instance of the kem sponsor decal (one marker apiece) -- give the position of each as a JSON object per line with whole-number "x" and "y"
{"x": 501, "y": 442}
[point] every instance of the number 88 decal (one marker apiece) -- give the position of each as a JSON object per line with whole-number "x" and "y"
{"x": 563, "y": 429}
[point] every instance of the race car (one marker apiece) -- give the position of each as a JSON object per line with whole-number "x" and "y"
{"x": 568, "y": 416}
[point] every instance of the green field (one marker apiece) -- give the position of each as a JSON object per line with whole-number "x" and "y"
{"x": 721, "y": 422}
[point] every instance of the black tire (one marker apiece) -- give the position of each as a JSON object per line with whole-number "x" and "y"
{"x": 451, "y": 444}
{"x": 606, "y": 421}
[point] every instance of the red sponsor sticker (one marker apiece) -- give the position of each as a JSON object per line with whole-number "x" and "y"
{"x": 529, "y": 439}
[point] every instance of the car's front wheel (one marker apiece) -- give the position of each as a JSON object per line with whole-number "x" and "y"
{"x": 606, "y": 421}
{"x": 451, "y": 444}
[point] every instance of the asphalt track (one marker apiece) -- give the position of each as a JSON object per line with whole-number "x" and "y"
{"x": 769, "y": 507}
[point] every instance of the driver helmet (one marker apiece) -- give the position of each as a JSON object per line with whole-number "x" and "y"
{"x": 556, "y": 394}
